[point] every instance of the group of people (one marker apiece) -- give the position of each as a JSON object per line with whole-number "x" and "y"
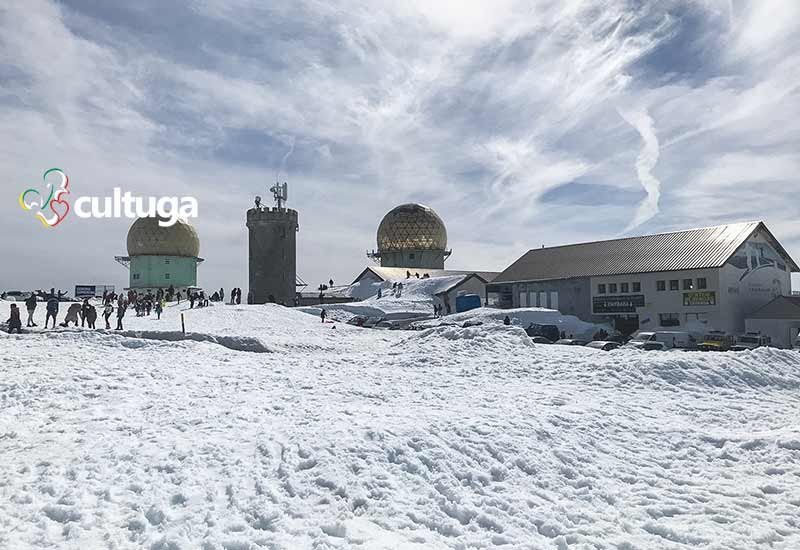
{"x": 86, "y": 314}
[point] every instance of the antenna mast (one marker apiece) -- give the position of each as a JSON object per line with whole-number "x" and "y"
{"x": 280, "y": 191}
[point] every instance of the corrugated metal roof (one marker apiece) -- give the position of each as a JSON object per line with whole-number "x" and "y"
{"x": 782, "y": 307}
{"x": 400, "y": 273}
{"x": 708, "y": 247}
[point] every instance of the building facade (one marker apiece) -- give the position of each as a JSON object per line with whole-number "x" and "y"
{"x": 696, "y": 280}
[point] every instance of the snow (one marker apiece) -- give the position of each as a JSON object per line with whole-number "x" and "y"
{"x": 348, "y": 438}
{"x": 415, "y": 298}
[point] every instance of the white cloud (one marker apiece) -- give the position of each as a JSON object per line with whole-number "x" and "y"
{"x": 461, "y": 106}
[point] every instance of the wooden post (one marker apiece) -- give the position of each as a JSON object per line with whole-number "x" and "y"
{"x": 183, "y": 324}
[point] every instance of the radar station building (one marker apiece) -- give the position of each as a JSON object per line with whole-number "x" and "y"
{"x": 273, "y": 250}
{"x": 411, "y": 236}
{"x": 161, "y": 257}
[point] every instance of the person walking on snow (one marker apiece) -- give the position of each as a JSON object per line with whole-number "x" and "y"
{"x": 14, "y": 322}
{"x": 85, "y": 307}
{"x": 108, "y": 309}
{"x": 52, "y": 310}
{"x": 159, "y": 307}
{"x": 91, "y": 316}
{"x": 122, "y": 305}
{"x": 323, "y": 315}
{"x": 30, "y": 304}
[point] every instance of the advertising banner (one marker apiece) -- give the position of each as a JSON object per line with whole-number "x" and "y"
{"x": 706, "y": 298}
{"x": 617, "y": 304}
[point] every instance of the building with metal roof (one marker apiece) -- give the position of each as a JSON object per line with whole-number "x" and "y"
{"x": 778, "y": 319}
{"x": 693, "y": 279}
{"x": 466, "y": 282}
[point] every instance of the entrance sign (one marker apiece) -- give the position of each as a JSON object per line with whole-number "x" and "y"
{"x": 617, "y": 304}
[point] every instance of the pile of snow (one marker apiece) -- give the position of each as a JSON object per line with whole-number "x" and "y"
{"x": 523, "y": 317}
{"x": 416, "y": 298}
{"x": 446, "y": 438}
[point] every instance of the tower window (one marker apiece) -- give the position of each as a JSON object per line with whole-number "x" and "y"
{"x": 166, "y": 275}
{"x": 166, "y": 261}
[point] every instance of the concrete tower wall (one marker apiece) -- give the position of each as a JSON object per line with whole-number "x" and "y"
{"x": 273, "y": 254}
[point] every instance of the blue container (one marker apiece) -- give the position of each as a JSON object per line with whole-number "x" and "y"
{"x": 467, "y": 302}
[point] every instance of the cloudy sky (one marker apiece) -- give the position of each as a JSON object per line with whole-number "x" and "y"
{"x": 522, "y": 123}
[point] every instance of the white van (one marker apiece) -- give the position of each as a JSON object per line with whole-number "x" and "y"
{"x": 670, "y": 339}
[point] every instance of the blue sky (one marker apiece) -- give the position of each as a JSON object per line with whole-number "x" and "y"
{"x": 521, "y": 123}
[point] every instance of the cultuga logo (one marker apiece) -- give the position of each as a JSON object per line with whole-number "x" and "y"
{"x": 51, "y": 207}
{"x": 48, "y": 203}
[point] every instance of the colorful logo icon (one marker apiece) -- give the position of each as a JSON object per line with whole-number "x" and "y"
{"x": 48, "y": 203}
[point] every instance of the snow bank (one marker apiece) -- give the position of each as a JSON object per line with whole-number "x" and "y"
{"x": 445, "y": 438}
{"x": 416, "y": 298}
{"x": 523, "y": 317}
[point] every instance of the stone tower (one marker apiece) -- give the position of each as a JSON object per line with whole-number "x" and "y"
{"x": 273, "y": 251}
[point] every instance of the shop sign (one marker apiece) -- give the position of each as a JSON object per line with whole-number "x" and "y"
{"x": 617, "y": 304}
{"x": 708, "y": 298}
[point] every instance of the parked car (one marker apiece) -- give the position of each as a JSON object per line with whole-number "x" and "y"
{"x": 370, "y": 322}
{"x": 670, "y": 339}
{"x": 357, "y": 320}
{"x": 653, "y": 346}
{"x": 603, "y": 345}
{"x": 716, "y": 340}
{"x": 15, "y": 296}
{"x": 548, "y": 331}
{"x": 751, "y": 340}
{"x": 541, "y": 340}
{"x": 571, "y": 342}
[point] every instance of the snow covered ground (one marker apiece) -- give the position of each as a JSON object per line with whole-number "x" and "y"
{"x": 351, "y": 438}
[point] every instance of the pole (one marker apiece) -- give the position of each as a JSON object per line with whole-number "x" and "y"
{"x": 183, "y": 325}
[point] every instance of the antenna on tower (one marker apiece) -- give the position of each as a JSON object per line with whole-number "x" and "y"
{"x": 280, "y": 191}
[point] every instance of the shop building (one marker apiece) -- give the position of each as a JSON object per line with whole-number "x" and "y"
{"x": 694, "y": 280}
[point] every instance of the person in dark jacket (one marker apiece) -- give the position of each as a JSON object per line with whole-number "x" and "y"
{"x": 14, "y": 322}
{"x": 507, "y": 320}
{"x": 85, "y": 307}
{"x": 91, "y": 316}
{"x": 30, "y": 304}
{"x": 52, "y": 310}
{"x": 122, "y": 305}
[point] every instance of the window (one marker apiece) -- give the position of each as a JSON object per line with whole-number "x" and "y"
{"x": 612, "y": 288}
{"x": 688, "y": 284}
{"x": 701, "y": 283}
{"x": 166, "y": 275}
{"x": 623, "y": 287}
{"x": 553, "y": 300}
{"x": 673, "y": 284}
{"x": 661, "y": 285}
{"x": 669, "y": 319}
{"x": 637, "y": 287}
{"x": 601, "y": 288}
{"x": 411, "y": 256}
{"x": 135, "y": 276}
{"x": 166, "y": 260}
